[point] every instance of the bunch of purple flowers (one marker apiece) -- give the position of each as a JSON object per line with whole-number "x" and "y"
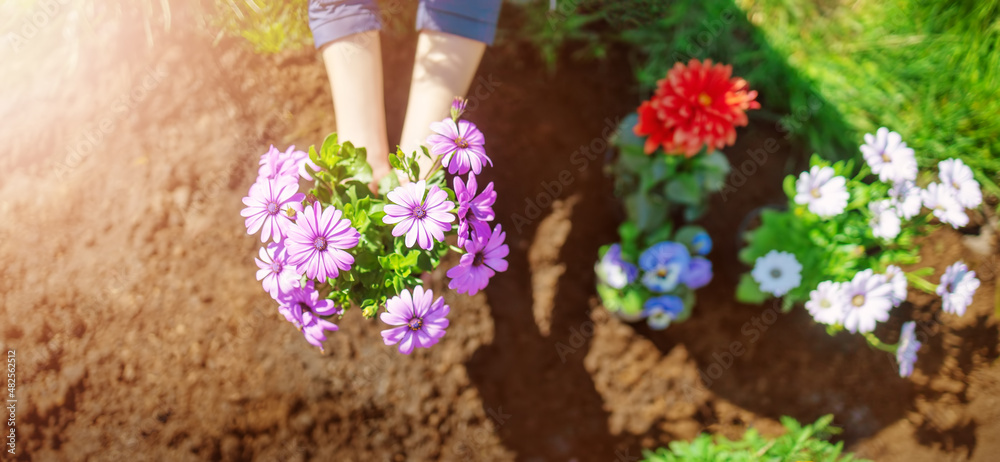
{"x": 660, "y": 289}
{"x": 342, "y": 245}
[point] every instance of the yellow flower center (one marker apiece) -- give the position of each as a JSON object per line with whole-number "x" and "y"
{"x": 704, "y": 99}
{"x": 858, "y": 300}
{"x": 815, "y": 193}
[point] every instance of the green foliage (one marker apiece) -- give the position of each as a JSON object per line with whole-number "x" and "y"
{"x": 660, "y": 192}
{"x": 657, "y": 187}
{"x": 930, "y": 73}
{"x": 383, "y": 265}
{"x": 269, "y": 27}
{"x": 800, "y": 443}
{"x": 832, "y": 249}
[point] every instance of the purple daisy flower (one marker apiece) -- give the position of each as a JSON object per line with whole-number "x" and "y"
{"x": 473, "y": 211}
{"x": 275, "y": 274}
{"x": 302, "y": 307}
{"x": 484, "y": 257}
{"x": 268, "y": 207}
{"x": 317, "y": 243}
{"x": 420, "y": 319}
{"x": 458, "y": 107}
{"x": 461, "y": 144}
{"x": 423, "y": 221}
{"x": 276, "y": 164}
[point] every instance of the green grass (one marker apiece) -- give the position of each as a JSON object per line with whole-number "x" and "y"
{"x": 828, "y": 71}
{"x": 929, "y": 70}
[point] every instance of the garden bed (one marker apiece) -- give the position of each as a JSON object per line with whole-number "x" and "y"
{"x": 127, "y": 292}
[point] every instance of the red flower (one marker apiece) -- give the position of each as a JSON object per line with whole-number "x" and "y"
{"x": 695, "y": 105}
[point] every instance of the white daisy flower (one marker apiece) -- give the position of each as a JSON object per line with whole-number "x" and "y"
{"x": 827, "y": 304}
{"x": 889, "y": 157}
{"x": 906, "y": 349}
{"x": 905, "y": 199}
{"x": 869, "y": 300}
{"x": 957, "y": 287}
{"x": 945, "y": 206}
{"x": 825, "y": 193}
{"x": 885, "y": 222}
{"x": 958, "y": 176}
{"x": 897, "y": 280}
{"x": 777, "y": 272}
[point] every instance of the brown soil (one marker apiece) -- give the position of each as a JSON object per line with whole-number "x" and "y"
{"x": 140, "y": 332}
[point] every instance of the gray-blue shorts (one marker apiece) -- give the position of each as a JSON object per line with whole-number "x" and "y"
{"x": 473, "y": 19}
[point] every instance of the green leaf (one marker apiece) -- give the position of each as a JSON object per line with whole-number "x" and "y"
{"x": 329, "y": 149}
{"x": 789, "y": 186}
{"x": 747, "y": 291}
{"x": 684, "y": 189}
{"x": 388, "y": 182}
{"x": 414, "y": 169}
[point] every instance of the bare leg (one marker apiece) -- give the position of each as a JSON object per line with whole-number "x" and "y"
{"x": 443, "y": 69}
{"x": 354, "y": 65}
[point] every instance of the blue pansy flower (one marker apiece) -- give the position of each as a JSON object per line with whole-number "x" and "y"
{"x": 661, "y": 311}
{"x": 701, "y": 243}
{"x": 613, "y": 271}
{"x": 698, "y": 274}
{"x": 663, "y": 264}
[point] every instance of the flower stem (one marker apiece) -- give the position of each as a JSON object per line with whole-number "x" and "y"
{"x": 434, "y": 167}
{"x": 878, "y": 344}
{"x": 921, "y": 283}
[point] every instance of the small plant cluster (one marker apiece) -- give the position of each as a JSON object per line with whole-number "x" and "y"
{"x": 667, "y": 167}
{"x": 342, "y": 245}
{"x": 800, "y": 443}
{"x": 840, "y": 245}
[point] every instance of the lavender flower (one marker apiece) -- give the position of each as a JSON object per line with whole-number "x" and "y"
{"x": 661, "y": 311}
{"x": 663, "y": 264}
{"x": 423, "y": 221}
{"x": 275, "y": 274}
{"x": 269, "y": 205}
{"x": 958, "y": 176}
{"x": 777, "y": 272}
{"x": 869, "y": 299}
{"x": 484, "y": 257}
{"x": 302, "y": 307}
{"x": 885, "y": 222}
{"x": 944, "y": 205}
{"x": 906, "y": 349}
{"x": 461, "y": 144}
{"x": 420, "y": 319}
{"x": 825, "y": 193}
{"x": 317, "y": 243}
{"x": 473, "y": 211}
{"x": 613, "y": 271}
{"x": 905, "y": 199}
{"x": 889, "y": 157}
{"x": 958, "y": 286}
{"x": 897, "y": 280}
{"x": 827, "y": 304}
